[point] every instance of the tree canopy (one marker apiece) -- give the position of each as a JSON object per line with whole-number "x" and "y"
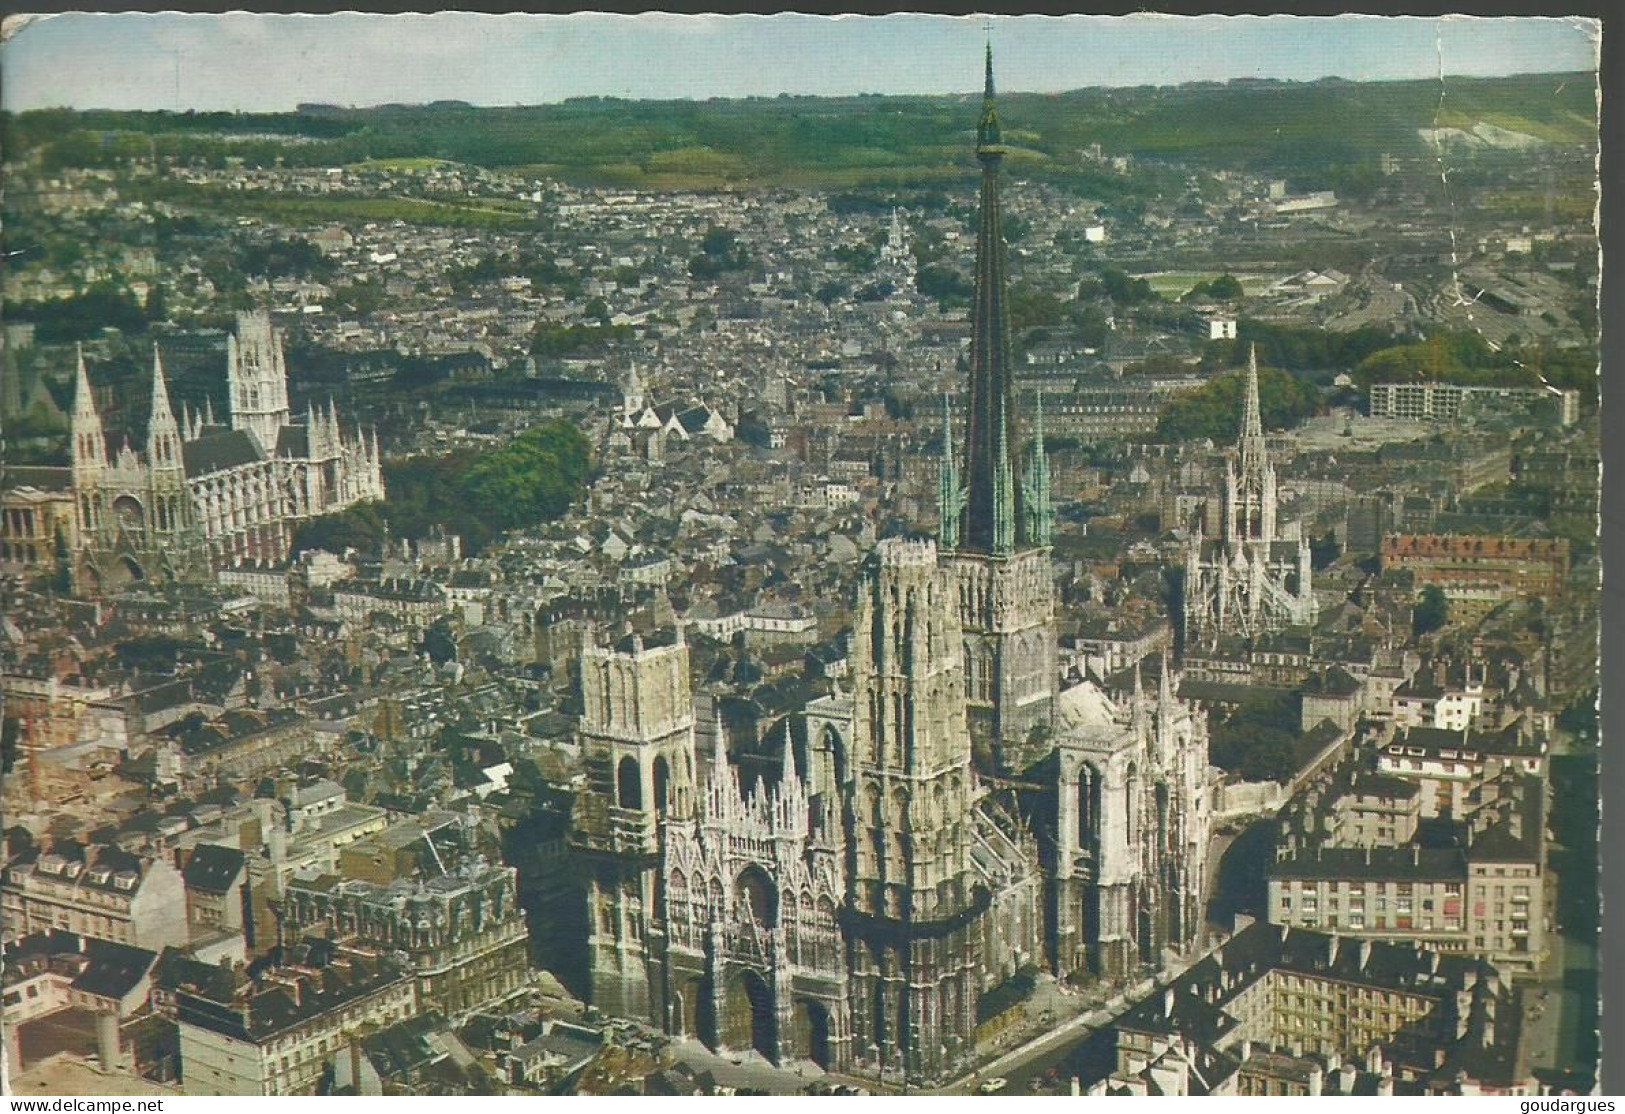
{"x": 1257, "y": 740}
{"x": 473, "y": 494}
{"x": 1213, "y": 410}
{"x": 1431, "y": 612}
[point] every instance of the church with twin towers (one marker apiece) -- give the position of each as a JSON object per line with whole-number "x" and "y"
{"x": 207, "y": 492}
{"x": 955, "y": 821}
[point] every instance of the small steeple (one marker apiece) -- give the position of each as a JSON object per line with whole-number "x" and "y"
{"x": 719, "y": 749}
{"x": 950, "y": 496}
{"x": 1004, "y": 497}
{"x": 1040, "y": 509}
{"x": 89, "y": 439}
{"x": 787, "y": 765}
{"x": 163, "y": 437}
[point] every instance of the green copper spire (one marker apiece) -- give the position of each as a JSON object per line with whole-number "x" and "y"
{"x": 1040, "y": 509}
{"x": 950, "y": 496}
{"x": 993, "y": 511}
{"x": 988, "y": 142}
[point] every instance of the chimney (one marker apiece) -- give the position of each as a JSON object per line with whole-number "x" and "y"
{"x": 1346, "y": 1076}
{"x": 1316, "y": 1077}
{"x": 1246, "y": 1051}
{"x": 1365, "y": 953}
{"x": 1168, "y": 1002}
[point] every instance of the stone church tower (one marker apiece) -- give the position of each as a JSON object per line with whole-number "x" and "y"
{"x": 858, "y": 909}
{"x": 912, "y": 900}
{"x": 1249, "y": 580}
{"x": 136, "y": 516}
{"x": 257, "y": 379}
{"x": 637, "y": 740}
{"x": 995, "y": 529}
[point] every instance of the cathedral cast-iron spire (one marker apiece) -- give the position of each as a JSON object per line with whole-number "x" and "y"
{"x": 993, "y": 521}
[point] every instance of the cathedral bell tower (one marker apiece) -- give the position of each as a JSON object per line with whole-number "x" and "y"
{"x": 637, "y": 741}
{"x": 995, "y": 528}
{"x": 172, "y": 521}
{"x": 912, "y": 899}
{"x": 257, "y": 379}
{"x": 89, "y": 456}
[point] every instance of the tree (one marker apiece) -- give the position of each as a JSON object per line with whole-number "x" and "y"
{"x": 440, "y": 643}
{"x": 1269, "y": 757}
{"x": 1225, "y": 288}
{"x": 1431, "y": 611}
{"x": 1323, "y": 550}
{"x": 1213, "y": 410}
{"x": 831, "y": 291}
{"x": 156, "y": 309}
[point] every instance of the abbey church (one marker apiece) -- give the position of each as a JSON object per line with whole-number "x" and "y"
{"x": 956, "y": 819}
{"x": 205, "y": 493}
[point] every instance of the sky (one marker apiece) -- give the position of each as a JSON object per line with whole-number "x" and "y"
{"x": 255, "y": 63}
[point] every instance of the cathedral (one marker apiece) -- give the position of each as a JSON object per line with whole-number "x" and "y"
{"x": 956, "y": 820}
{"x": 1247, "y": 578}
{"x": 208, "y": 494}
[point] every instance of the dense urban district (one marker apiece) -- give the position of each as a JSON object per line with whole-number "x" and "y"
{"x": 1086, "y": 594}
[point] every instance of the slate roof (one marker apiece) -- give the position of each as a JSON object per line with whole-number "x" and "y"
{"x": 114, "y": 969}
{"x": 213, "y": 868}
{"x": 1376, "y": 864}
{"x": 293, "y": 440}
{"x": 39, "y": 476}
{"x": 104, "y": 969}
{"x": 218, "y": 450}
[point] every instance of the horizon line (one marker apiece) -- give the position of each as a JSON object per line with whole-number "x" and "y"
{"x": 304, "y": 107}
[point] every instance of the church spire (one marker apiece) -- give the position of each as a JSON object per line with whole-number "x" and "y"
{"x": 163, "y": 436}
{"x": 1252, "y": 423}
{"x": 1251, "y": 494}
{"x": 89, "y": 439}
{"x": 719, "y": 751}
{"x": 1040, "y": 510}
{"x": 987, "y": 131}
{"x": 787, "y": 767}
{"x": 993, "y": 511}
{"x": 950, "y": 496}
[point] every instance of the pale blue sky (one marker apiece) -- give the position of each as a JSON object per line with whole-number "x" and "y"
{"x": 253, "y": 62}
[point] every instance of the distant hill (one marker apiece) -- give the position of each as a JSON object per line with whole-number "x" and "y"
{"x": 1332, "y": 125}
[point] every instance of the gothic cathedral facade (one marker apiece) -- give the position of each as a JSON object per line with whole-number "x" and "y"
{"x": 208, "y": 494}
{"x": 957, "y": 819}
